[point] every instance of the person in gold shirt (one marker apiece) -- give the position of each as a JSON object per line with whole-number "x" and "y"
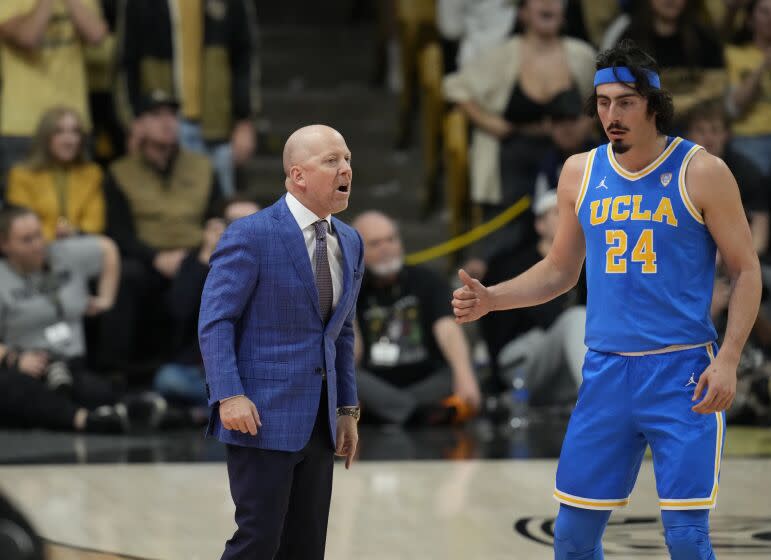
{"x": 41, "y": 53}
{"x": 749, "y": 71}
{"x": 57, "y": 181}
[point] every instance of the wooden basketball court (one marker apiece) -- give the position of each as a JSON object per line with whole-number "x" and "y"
{"x": 444, "y": 510}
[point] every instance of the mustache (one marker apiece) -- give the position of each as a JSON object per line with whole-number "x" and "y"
{"x": 618, "y": 127}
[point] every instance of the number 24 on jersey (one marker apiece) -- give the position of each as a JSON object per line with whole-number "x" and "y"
{"x": 615, "y": 256}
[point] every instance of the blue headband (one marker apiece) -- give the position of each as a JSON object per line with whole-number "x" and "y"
{"x": 617, "y": 74}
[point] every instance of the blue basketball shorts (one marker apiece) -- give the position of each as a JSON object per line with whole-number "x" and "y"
{"x": 627, "y": 403}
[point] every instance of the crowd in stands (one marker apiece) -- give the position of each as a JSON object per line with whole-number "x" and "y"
{"x": 123, "y": 124}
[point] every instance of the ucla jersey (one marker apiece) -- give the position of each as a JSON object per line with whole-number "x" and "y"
{"x": 650, "y": 260}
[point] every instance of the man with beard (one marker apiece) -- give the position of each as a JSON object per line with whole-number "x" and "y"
{"x": 158, "y": 200}
{"x": 648, "y": 212}
{"x": 413, "y": 360}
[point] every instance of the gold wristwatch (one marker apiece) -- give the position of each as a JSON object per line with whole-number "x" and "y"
{"x": 354, "y": 411}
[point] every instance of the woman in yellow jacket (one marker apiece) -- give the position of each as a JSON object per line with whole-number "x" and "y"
{"x": 57, "y": 181}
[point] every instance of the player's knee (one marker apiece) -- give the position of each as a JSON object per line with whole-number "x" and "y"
{"x": 688, "y": 543}
{"x": 578, "y": 534}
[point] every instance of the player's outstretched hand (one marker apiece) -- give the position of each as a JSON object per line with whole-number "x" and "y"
{"x": 471, "y": 301}
{"x": 720, "y": 381}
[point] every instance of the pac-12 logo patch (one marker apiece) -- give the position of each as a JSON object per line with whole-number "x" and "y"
{"x": 666, "y": 178}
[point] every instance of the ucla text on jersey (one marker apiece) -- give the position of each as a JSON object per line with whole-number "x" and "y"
{"x": 650, "y": 260}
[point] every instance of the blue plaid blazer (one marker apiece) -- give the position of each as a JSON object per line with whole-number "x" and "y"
{"x": 261, "y": 331}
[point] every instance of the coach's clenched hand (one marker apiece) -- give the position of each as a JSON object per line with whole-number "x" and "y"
{"x": 347, "y": 438}
{"x": 239, "y": 413}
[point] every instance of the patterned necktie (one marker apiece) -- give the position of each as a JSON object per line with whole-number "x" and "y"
{"x": 323, "y": 273}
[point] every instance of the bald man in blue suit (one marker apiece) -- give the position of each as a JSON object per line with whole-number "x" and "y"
{"x": 276, "y": 334}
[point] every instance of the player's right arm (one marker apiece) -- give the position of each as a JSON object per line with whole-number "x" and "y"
{"x": 549, "y": 278}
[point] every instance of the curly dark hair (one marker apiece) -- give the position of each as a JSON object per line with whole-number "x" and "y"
{"x": 628, "y": 54}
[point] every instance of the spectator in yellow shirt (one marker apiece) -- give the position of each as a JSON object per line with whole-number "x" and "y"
{"x": 749, "y": 71}
{"x": 57, "y": 181}
{"x": 41, "y": 54}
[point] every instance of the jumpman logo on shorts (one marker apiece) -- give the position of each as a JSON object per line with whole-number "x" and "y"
{"x": 692, "y": 380}
{"x": 602, "y": 184}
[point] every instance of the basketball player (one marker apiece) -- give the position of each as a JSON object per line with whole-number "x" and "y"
{"x": 647, "y": 211}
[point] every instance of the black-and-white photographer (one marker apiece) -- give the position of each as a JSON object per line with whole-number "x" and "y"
{"x": 44, "y": 296}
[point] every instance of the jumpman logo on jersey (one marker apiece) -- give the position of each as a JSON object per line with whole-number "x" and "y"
{"x": 602, "y": 184}
{"x": 692, "y": 380}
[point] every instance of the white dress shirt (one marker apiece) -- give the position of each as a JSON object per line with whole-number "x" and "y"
{"x": 305, "y": 219}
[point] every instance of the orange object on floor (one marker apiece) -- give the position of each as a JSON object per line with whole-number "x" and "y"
{"x": 463, "y": 411}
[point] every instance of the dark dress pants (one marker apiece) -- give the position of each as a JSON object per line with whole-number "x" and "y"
{"x": 282, "y": 498}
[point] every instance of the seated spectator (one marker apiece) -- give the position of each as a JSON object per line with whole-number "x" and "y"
{"x": 182, "y": 380}
{"x": 749, "y": 72}
{"x": 157, "y": 202}
{"x": 205, "y": 57}
{"x": 41, "y": 55}
{"x": 708, "y": 125}
{"x": 507, "y": 94}
{"x": 57, "y": 181}
{"x": 413, "y": 361}
{"x": 43, "y": 298}
{"x": 689, "y": 52}
{"x": 547, "y": 340}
